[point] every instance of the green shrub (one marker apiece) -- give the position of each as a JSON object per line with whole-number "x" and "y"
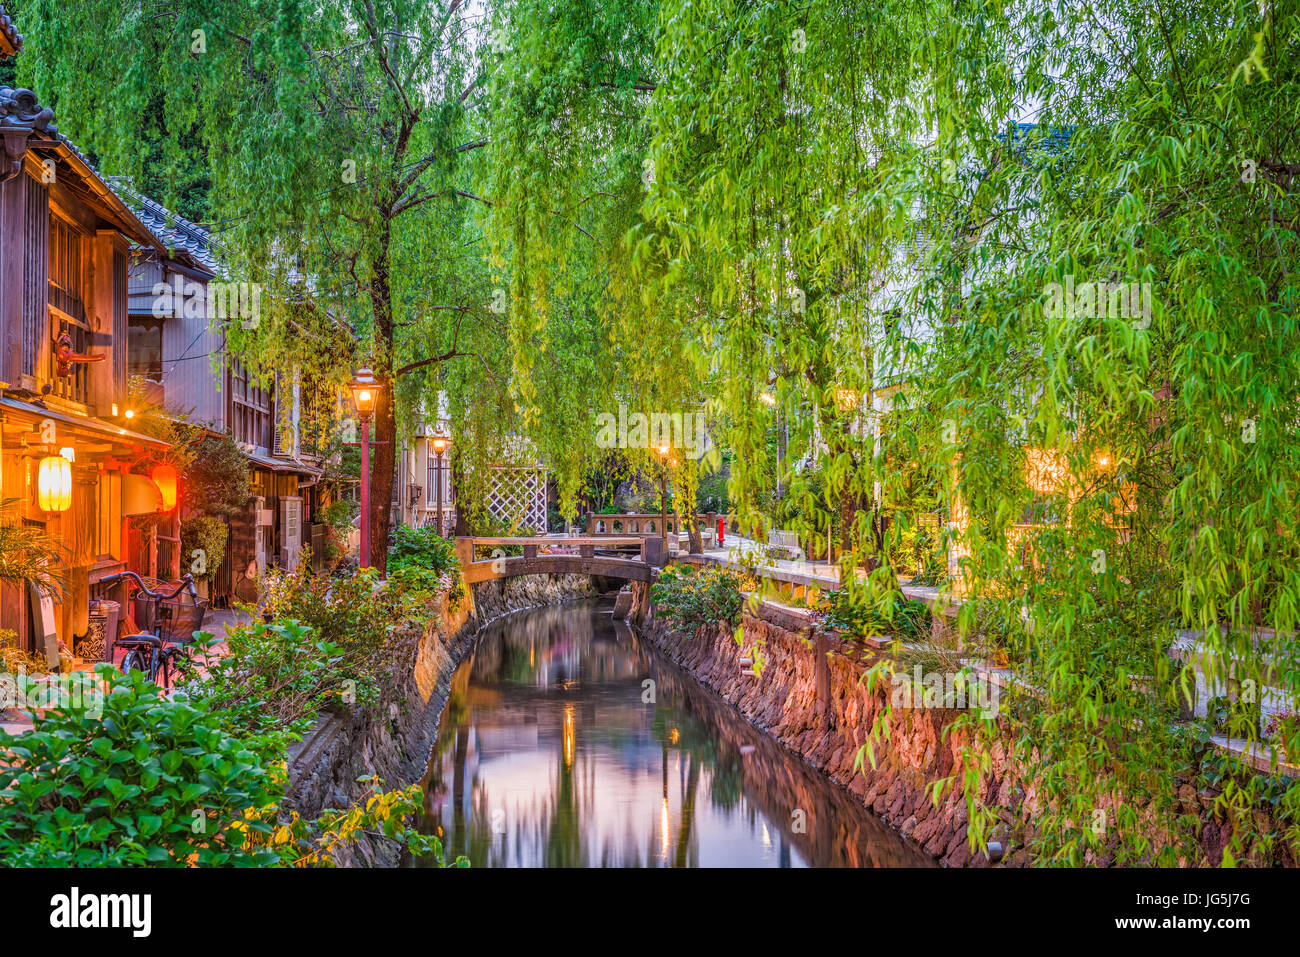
{"x": 357, "y": 612}
{"x": 421, "y": 548}
{"x": 420, "y": 584}
{"x": 274, "y": 678}
{"x": 687, "y": 598}
{"x": 851, "y": 611}
{"x": 151, "y": 781}
{"x": 205, "y": 534}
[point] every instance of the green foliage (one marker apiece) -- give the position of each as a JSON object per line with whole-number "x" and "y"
{"x": 858, "y": 613}
{"x": 27, "y": 553}
{"x": 14, "y": 660}
{"x": 372, "y": 625}
{"x": 304, "y": 843}
{"x": 215, "y": 482}
{"x": 174, "y": 782}
{"x": 153, "y": 782}
{"x": 272, "y": 679}
{"x": 207, "y": 535}
{"x": 422, "y": 548}
{"x": 688, "y": 598}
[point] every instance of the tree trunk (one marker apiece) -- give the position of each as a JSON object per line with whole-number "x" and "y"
{"x": 383, "y": 454}
{"x": 462, "y": 514}
{"x": 693, "y": 530}
{"x": 382, "y": 467}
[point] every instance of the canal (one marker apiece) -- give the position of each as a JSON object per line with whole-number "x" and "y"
{"x": 567, "y": 741}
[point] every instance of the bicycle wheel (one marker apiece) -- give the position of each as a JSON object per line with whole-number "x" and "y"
{"x": 137, "y": 659}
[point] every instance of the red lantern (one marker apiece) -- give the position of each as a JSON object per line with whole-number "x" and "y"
{"x": 164, "y": 476}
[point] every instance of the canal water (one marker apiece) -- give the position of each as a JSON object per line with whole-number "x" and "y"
{"x": 567, "y": 741}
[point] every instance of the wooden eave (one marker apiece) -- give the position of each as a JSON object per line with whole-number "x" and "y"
{"x": 91, "y": 191}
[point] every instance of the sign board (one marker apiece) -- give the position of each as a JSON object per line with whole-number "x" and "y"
{"x": 43, "y": 618}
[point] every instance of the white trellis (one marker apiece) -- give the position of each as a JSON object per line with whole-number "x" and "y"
{"x": 517, "y": 496}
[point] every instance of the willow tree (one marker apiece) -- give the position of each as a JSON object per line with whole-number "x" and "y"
{"x": 899, "y": 195}
{"x": 1162, "y": 434}
{"x": 340, "y": 139}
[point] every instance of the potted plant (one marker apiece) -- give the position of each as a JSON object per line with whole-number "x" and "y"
{"x": 27, "y": 556}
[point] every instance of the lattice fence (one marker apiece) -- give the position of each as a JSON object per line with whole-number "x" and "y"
{"x": 517, "y": 496}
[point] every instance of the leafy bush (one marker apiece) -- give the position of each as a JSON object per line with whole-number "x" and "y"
{"x": 215, "y": 482}
{"x": 421, "y": 548}
{"x": 159, "y": 782}
{"x": 419, "y": 583}
{"x": 851, "y": 611}
{"x": 208, "y": 535}
{"x": 27, "y": 553}
{"x": 273, "y": 678}
{"x": 151, "y": 781}
{"x": 687, "y": 598}
{"x": 14, "y": 659}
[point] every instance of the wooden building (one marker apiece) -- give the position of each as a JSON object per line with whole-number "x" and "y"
{"x": 65, "y": 238}
{"x": 179, "y": 300}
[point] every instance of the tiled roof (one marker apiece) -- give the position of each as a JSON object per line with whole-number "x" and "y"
{"x": 11, "y": 40}
{"x": 175, "y": 232}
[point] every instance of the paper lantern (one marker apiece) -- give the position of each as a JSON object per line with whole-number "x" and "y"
{"x": 164, "y": 476}
{"x": 54, "y": 484}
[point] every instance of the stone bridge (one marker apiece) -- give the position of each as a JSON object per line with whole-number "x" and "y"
{"x": 631, "y": 558}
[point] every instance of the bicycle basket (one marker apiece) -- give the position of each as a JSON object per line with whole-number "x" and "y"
{"x": 180, "y": 617}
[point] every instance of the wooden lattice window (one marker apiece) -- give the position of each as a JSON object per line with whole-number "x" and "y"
{"x": 67, "y": 268}
{"x": 517, "y": 496}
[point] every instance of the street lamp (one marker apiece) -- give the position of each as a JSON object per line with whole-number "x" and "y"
{"x": 365, "y": 396}
{"x": 663, "y": 449}
{"x": 439, "y": 446}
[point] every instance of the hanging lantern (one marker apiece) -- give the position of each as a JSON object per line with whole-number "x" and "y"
{"x": 54, "y": 484}
{"x": 164, "y": 476}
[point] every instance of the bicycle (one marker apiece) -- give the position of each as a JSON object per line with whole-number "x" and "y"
{"x": 167, "y": 627}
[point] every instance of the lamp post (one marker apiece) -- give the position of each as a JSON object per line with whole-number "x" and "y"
{"x": 439, "y": 446}
{"x": 663, "y": 449}
{"x": 365, "y": 395}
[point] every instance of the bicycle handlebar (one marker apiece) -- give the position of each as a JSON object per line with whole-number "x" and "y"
{"x": 186, "y": 582}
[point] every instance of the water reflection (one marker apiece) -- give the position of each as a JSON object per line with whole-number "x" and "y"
{"x": 567, "y": 742}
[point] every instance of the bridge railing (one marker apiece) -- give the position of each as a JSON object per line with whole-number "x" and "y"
{"x": 558, "y": 554}
{"x": 649, "y": 523}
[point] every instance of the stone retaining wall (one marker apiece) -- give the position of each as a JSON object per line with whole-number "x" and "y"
{"x": 393, "y": 739}
{"x": 809, "y": 696}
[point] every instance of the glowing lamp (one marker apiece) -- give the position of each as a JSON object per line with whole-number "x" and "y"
{"x": 440, "y": 444}
{"x": 54, "y": 484}
{"x": 164, "y": 476}
{"x": 365, "y": 392}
